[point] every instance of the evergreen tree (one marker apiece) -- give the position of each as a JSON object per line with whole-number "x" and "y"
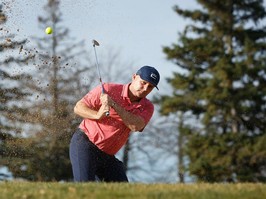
{"x": 222, "y": 87}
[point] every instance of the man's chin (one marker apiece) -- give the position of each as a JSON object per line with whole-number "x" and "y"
{"x": 141, "y": 95}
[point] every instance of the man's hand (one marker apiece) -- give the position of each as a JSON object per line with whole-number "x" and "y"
{"x": 105, "y": 100}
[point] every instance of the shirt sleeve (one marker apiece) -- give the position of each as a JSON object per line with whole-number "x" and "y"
{"x": 92, "y": 98}
{"x": 146, "y": 112}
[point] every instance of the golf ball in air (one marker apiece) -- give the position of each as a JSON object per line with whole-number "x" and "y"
{"x": 49, "y": 30}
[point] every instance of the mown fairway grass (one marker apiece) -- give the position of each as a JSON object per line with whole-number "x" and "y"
{"x": 27, "y": 190}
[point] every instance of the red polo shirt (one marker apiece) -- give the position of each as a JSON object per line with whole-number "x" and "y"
{"x": 110, "y": 133}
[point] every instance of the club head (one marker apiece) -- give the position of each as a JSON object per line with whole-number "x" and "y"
{"x": 95, "y": 43}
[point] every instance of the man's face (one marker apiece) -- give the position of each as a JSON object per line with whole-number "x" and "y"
{"x": 140, "y": 87}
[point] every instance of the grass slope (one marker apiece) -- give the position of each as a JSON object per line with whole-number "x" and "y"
{"x": 30, "y": 190}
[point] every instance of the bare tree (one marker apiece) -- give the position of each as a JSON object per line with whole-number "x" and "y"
{"x": 13, "y": 58}
{"x": 55, "y": 81}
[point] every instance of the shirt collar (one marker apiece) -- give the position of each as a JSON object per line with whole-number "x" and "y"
{"x": 125, "y": 91}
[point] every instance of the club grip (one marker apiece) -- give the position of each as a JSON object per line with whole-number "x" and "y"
{"x": 106, "y": 113}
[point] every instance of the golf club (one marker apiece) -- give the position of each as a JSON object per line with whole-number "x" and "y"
{"x": 96, "y": 43}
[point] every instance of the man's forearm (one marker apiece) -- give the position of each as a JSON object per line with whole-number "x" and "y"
{"x": 133, "y": 122}
{"x": 83, "y": 111}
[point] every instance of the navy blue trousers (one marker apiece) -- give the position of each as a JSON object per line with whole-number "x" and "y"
{"x": 90, "y": 163}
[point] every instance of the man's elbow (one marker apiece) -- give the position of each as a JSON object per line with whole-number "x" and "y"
{"x": 77, "y": 108}
{"x": 138, "y": 127}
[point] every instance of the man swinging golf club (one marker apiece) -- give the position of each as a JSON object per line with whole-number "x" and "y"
{"x": 100, "y": 136}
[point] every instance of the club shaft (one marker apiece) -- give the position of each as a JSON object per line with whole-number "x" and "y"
{"x": 99, "y": 74}
{"x": 98, "y": 69}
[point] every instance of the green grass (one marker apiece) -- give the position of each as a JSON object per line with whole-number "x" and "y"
{"x": 30, "y": 190}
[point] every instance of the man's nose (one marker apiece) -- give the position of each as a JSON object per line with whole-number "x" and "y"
{"x": 145, "y": 87}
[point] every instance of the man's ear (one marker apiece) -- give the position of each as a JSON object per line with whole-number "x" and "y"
{"x": 134, "y": 76}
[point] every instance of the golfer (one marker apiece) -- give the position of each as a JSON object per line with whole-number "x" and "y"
{"x": 99, "y": 137}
